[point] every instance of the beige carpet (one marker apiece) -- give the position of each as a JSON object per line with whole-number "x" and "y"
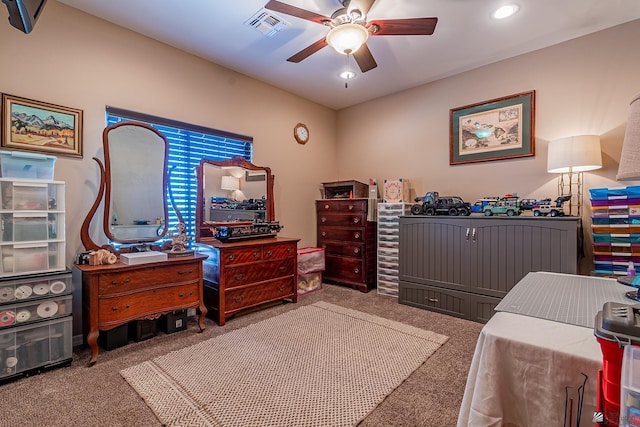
{"x": 317, "y": 365}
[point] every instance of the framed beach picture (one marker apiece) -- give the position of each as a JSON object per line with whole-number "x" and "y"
{"x": 30, "y": 125}
{"x": 497, "y": 129}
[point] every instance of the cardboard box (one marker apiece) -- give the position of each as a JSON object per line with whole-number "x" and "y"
{"x": 396, "y": 191}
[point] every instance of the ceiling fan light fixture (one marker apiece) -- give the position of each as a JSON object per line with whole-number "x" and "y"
{"x": 347, "y": 75}
{"x": 347, "y": 38}
{"x": 505, "y": 11}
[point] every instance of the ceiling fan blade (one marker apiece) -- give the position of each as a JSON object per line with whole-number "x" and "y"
{"x": 403, "y": 27}
{"x": 287, "y": 9}
{"x": 364, "y": 58}
{"x": 309, "y": 50}
{"x": 362, "y": 5}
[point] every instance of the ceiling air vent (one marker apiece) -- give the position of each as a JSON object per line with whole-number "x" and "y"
{"x": 266, "y": 23}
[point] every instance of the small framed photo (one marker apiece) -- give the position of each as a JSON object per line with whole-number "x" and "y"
{"x": 497, "y": 129}
{"x": 30, "y": 125}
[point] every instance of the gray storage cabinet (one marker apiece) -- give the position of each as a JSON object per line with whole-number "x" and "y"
{"x": 463, "y": 266}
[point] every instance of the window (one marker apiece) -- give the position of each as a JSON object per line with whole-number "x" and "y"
{"x": 187, "y": 145}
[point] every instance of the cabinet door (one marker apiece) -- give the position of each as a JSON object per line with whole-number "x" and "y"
{"x": 503, "y": 250}
{"x": 435, "y": 251}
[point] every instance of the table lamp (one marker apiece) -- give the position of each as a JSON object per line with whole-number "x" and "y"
{"x": 572, "y": 156}
{"x": 230, "y": 183}
{"x": 629, "y": 168}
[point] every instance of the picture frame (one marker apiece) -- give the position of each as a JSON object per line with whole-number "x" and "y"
{"x": 497, "y": 129}
{"x": 30, "y": 125}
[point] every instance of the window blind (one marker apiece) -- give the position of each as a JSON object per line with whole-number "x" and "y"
{"x": 188, "y": 144}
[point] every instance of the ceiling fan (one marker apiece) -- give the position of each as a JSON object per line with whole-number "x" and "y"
{"x": 350, "y": 29}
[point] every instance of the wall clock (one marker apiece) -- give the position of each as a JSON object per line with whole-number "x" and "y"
{"x": 301, "y": 133}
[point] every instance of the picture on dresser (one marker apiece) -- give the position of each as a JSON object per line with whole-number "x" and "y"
{"x": 497, "y": 129}
{"x": 39, "y": 126}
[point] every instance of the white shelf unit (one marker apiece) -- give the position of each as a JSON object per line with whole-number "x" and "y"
{"x": 32, "y": 227}
{"x": 388, "y": 243}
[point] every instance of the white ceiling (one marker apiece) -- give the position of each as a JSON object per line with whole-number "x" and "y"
{"x": 465, "y": 37}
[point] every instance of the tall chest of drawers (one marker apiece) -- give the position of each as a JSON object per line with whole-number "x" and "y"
{"x": 244, "y": 274}
{"x": 349, "y": 240}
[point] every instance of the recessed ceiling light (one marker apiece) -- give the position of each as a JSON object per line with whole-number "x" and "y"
{"x": 347, "y": 75}
{"x": 505, "y": 11}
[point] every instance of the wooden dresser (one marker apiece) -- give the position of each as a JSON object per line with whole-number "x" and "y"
{"x": 113, "y": 295}
{"x": 245, "y": 274}
{"x": 349, "y": 241}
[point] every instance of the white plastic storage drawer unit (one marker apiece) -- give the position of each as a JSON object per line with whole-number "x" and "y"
{"x": 32, "y": 227}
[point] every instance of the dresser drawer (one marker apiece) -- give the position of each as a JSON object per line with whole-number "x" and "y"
{"x": 348, "y": 269}
{"x": 147, "y": 302}
{"x": 252, "y": 273}
{"x": 348, "y": 205}
{"x": 446, "y": 301}
{"x": 354, "y": 250}
{"x": 355, "y": 219}
{"x": 342, "y": 234}
{"x": 243, "y": 297}
{"x": 127, "y": 281}
{"x": 279, "y": 251}
{"x": 241, "y": 255}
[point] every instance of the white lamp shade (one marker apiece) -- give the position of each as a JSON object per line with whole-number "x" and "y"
{"x": 574, "y": 154}
{"x": 230, "y": 183}
{"x": 347, "y": 38}
{"x": 629, "y": 168}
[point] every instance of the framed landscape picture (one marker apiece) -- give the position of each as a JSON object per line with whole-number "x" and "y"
{"x": 497, "y": 129}
{"x": 30, "y": 125}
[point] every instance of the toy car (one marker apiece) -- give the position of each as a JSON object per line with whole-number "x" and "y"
{"x": 434, "y": 204}
{"x": 509, "y": 205}
{"x": 479, "y": 204}
{"x": 527, "y": 204}
{"x": 544, "y": 207}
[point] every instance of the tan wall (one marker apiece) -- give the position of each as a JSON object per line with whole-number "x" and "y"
{"x": 76, "y": 60}
{"x": 582, "y": 86}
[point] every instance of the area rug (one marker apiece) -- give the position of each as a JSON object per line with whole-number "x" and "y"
{"x": 317, "y": 365}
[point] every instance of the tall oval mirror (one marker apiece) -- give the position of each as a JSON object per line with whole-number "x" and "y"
{"x": 135, "y": 183}
{"x": 230, "y": 191}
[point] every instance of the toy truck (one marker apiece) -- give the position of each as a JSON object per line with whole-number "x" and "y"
{"x": 509, "y": 205}
{"x": 434, "y": 204}
{"x": 545, "y": 207}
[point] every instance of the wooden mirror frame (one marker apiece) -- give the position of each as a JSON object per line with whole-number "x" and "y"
{"x": 202, "y": 229}
{"x": 104, "y": 192}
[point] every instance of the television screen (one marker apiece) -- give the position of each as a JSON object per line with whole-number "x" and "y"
{"x": 23, "y": 14}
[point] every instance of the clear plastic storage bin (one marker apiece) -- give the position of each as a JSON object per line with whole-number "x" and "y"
{"x": 14, "y": 164}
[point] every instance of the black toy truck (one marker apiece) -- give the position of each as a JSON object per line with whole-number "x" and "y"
{"x": 434, "y": 204}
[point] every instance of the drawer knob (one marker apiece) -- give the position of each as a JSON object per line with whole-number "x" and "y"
{"x": 356, "y": 220}
{"x": 238, "y": 276}
{"x": 323, "y": 219}
{"x": 237, "y": 298}
{"x": 326, "y": 206}
{"x": 180, "y": 294}
{"x": 350, "y": 207}
{"x": 256, "y": 254}
{"x": 269, "y": 252}
{"x": 289, "y": 250}
{"x": 232, "y": 257}
{"x": 356, "y": 251}
{"x": 283, "y": 269}
{"x": 432, "y": 299}
{"x": 324, "y": 233}
{"x": 356, "y": 270}
{"x": 114, "y": 282}
{"x": 185, "y": 272}
{"x": 281, "y": 288}
{"x": 324, "y": 246}
{"x": 356, "y": 235}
